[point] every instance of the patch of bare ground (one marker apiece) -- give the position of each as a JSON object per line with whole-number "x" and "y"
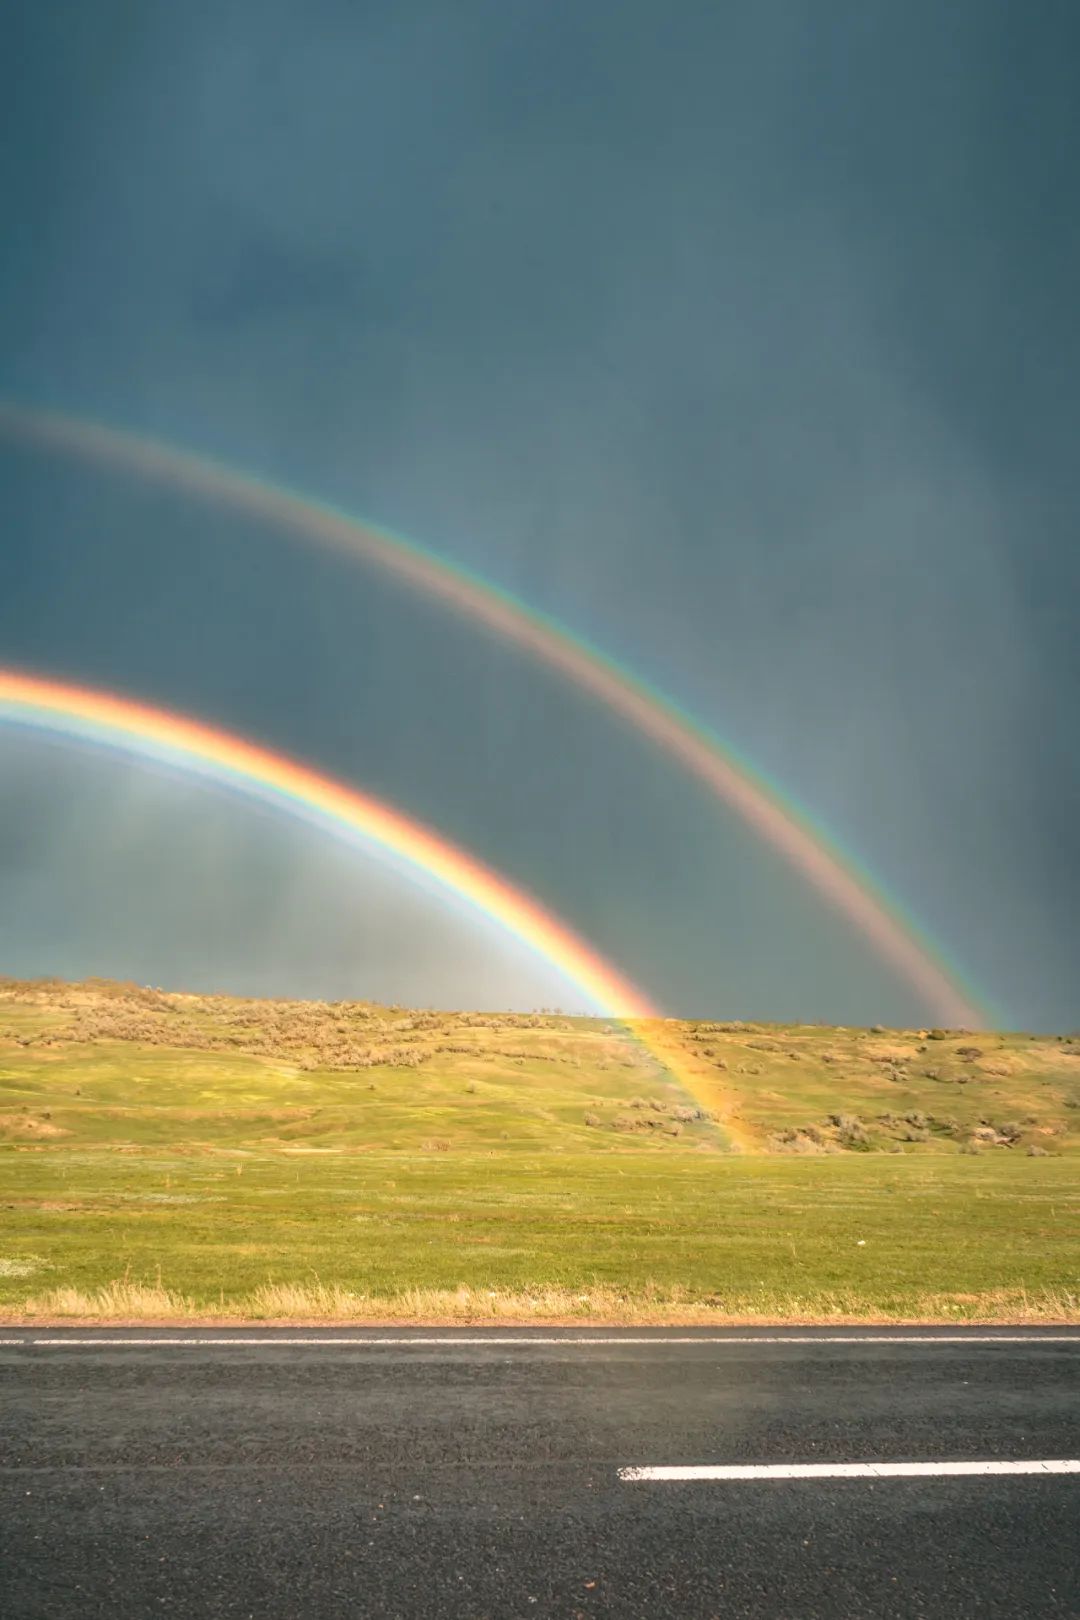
{"x": 26, "y": 1125}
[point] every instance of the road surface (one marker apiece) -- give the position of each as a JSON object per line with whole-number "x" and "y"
{"x": 522, "y": 1473}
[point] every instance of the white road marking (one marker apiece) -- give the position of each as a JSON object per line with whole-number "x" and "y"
{"x": 419, "y": 1341}
{"x": 900, "y": 1470}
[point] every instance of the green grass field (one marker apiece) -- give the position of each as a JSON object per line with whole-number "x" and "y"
{"x": 175, "y": 1156}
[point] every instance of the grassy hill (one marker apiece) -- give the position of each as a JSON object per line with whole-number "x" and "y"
{"x": 174, "y": 1155}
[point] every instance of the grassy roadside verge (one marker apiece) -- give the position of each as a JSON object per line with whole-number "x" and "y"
{"x": 430, "y": 1237}
{"x": 125, "y": 1304}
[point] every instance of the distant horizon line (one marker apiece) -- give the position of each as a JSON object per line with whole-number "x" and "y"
{"x": 718, "y": 1020}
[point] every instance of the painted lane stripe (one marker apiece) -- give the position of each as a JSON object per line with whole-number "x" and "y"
{"x": 900, "y": 1470}
{"x": 419, "y": 1341}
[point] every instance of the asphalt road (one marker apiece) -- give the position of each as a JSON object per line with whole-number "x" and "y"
{"x": 264, "y": 1476}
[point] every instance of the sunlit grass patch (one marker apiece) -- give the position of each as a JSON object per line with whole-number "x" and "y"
{"x": 22, "y": 1265}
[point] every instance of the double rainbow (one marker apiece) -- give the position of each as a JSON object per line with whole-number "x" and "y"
{"x": 775, "y": 817}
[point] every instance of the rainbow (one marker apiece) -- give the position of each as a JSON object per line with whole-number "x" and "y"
{"x": 105, "y": 719}
{"x": 774, "y": 816}
{"x": 118, "y": 723}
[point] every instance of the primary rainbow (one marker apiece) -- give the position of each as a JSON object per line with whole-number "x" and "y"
{"x": 836, "y": 875}
{"x": 114, "y": 721}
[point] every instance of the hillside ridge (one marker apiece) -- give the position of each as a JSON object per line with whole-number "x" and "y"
{"x": 757, "y": 1087}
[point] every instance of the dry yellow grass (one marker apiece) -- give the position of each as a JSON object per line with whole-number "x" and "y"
{"x": 118, "y": 1301}
{"x": 319, "y": 1303}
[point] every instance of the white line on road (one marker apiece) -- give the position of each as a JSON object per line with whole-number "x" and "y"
{"x": 900, "y": 1470}
{"x": 419, "y": 1341}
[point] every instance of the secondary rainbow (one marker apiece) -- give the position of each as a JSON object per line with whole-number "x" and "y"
{"x": 115, "y": 721}
{"x": 836, "y": 875}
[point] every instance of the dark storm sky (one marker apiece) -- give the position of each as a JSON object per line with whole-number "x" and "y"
{"x": 743, "y": 338}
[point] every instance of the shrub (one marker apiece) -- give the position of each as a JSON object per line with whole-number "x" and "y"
{"x": 592, "y": 1119}
{"x": 790, "y": 1140}
{"x": 1037, "y": 1152}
